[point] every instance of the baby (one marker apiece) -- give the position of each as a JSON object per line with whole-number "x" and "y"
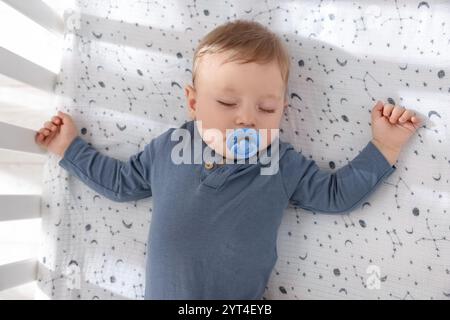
{"x": 214, "y": 226}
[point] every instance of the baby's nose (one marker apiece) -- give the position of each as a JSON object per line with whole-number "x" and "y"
{"x": 245, "y": 119}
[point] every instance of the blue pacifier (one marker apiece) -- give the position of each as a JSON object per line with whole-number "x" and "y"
{"x": 243, "y": 142}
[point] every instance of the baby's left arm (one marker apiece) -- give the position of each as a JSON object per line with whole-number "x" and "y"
{"x": 310, "y": 188}
{"x": 313, "y": 189}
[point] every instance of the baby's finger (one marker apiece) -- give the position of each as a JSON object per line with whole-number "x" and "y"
{"x": 39, "y": 137}
{"x": 56, "y": 120}
{"x": 416, "y": 119}
{"x": 44, "y": 136}
{"x": 387, "y": 109}
{"x": 49, "y": 125}
{"x": 406, "y": 116}
{"x": 396, "y": 113}
{"x": 377, "y": 110}
{"x": 44, "y": 131}
{"x": 49, "y": 138}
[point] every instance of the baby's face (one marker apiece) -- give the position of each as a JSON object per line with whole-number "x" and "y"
{"x": 233, "y": 95}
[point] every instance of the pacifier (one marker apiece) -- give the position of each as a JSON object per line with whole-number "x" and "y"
{"x": 243, "y": 142}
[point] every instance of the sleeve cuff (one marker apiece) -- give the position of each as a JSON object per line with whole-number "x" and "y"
{"x": 378, "y": 158}
{"x": 72, "y": 150}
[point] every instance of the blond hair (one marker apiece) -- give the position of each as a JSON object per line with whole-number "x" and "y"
{"x": 248, "y": 41}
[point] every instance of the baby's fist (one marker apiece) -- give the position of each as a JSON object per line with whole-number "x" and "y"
{"x": 392, "y": 127}
{"x": 57, "y": 134}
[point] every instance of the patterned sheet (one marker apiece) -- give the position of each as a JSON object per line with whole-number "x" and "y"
{"x": 125, "y": 65}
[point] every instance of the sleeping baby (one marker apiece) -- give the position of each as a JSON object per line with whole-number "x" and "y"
{"x": 216, "y": 212}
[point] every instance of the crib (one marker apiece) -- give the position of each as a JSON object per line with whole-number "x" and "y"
{"x": 120, "y": 57}
{"x": 15, "y": 207}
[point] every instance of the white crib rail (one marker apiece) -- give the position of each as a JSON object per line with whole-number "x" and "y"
{"x": 18, "y": 206}
{"x": 15, "y": 207}
{"x": 39, "y": 12}
{"x": 18, "y": 139}
{"x": 17, "y": 273}
{"x": 18, "y": 68}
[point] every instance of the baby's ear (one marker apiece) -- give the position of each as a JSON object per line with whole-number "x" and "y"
{"x": 190, "y": 97}
{"x": 186, "y": 91}
{"x": 190, "y": 92}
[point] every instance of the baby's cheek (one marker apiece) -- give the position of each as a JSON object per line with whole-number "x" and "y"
{"x": 268, "y": 137}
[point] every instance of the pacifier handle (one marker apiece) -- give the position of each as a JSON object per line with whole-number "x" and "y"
{"x": 243, "y": 142}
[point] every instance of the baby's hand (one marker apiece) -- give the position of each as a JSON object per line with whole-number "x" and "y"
{"x": 392, "y": 127}
{"x": 57, "y": 134}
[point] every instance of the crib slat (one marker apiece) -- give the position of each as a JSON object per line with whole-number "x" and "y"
{"x": 18, "y": 138}
{"x": 18, "y": 68}
{"x": 17, "y": 273}
{"x": 39, "y": 12}
{"x": 17, "y": 207}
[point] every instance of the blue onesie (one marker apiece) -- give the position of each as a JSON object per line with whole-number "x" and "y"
{"x": 213, "y": 230}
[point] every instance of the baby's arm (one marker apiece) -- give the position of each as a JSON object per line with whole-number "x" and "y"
{"x": 313, "y": 189}
{"x": 310, "y": 188}
{"x": 112, "y": 178}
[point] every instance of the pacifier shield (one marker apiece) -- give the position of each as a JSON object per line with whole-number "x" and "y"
{"x": 243, "y": 142}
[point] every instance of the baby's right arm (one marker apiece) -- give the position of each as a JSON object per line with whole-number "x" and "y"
{"x": 112, "y": 178}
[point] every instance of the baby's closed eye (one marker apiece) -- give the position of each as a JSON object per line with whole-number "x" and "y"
{"x": 226, "y": 104}
{"x": 262, "y": 108}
